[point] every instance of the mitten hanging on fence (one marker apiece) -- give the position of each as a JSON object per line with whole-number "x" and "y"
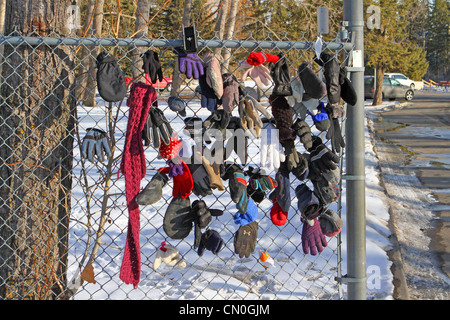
{"x": 257, "y": 58}
{"x": 178, "y": 219}
{"x": 313, "y": 85}
{"x": 212, "y": 241}
{"x": 321, "y": 118}
{"x": 280, "y": 75}
{"x": 277, "y": 214}
{"x": 111, "y": 83}
{"x": 152, "y": 192}
{"x": 249, "y": 216}
{"x": 330, "y": 223}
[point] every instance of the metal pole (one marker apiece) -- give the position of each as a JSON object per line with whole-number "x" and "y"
{"x": 355, "y": 159}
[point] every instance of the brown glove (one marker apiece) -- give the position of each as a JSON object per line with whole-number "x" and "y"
{"x": 245, "y": 239}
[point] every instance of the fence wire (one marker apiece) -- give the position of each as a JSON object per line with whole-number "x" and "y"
{"x": 63, "y": 220}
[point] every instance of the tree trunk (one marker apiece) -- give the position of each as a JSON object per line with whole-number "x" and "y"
{"x": 229, "y": 33}
{"x": 142, "y": 16}
{"x": 378, "y": 94}
{"x": 36, "y": 141}
{"x": 176, "y": 78}
{"x": 89, "y": 86}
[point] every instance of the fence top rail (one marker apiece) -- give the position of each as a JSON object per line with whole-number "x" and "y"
{"x": 162, "y": 42}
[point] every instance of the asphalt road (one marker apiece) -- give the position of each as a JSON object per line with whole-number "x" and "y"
{"x": 413, "y": 146}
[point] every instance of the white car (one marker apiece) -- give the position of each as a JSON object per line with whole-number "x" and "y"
{"x": 402, "y": 79}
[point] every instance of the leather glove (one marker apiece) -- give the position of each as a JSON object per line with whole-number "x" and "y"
{"x": 334, "y": 134}
{"x": 245, "y": 239}
{"x": 190, "y": 64}
{"x": 202, "y": 183}
{"x": 230, "y": 97}
{"x": 312, "y": 238}
{"x": 238, "y": 186}
{"x": 212, "y": 241}
{"x": 202, "y": 216}
{"x": 213, "y": 73}
{"x": 250, "y": 119}
{"x": 313, "y": 85}
{"x": 280, "y": 75}
{"x": 151, "y": 65}
{"x": 157, "y": 128}
{"x": 322, "y": 159}
{"x": 271, "y": 153}
{"x": 152, "y": 192}
{"x": 95, "y": 143}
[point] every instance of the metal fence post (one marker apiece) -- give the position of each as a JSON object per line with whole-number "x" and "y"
{"x": 355, "y": 159}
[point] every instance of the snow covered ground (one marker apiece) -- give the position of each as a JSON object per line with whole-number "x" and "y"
{"x": 295, "y": 275}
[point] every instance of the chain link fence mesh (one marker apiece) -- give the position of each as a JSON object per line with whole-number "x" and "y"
{"x": 49, "y": 95}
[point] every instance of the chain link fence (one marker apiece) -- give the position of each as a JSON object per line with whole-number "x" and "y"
{"x": 63, "y": 219}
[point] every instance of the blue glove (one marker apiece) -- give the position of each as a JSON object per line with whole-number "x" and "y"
{"x": 208, "y": 98}
{"x": 249, "y": 216}
{"x": 95, "y": 143}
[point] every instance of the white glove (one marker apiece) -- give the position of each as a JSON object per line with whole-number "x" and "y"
{"x": 169, "y": 255}
{"x": 272, "y": 153}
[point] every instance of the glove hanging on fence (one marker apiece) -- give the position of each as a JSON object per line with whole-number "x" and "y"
{"x": 95, "y": 144}
{"x": 282, "y": 192}
{"x": 230, "y": 97}
{"x": 111, "y": 83}
{"x": 238, "y": 142}
{"x": 151, "y": 65}
{"x": 326, "y": 185}
{"x": 245, "y": 239}
{"x": 212, "y": 241}
{"x": 177, "y": 104}
{"x": 157, "y": 129}
{"x": 308, "y": 204}
{"x": 260, "y": 74}
{"x": 152, "y": 192}
{"x": 322, "y": 159}
{"x": 169, "y": 255}
{"x": 213, "y": 73}
{"x": 334, "y": 133}
{"x": 280, "y": 75}
{"x": 271, "y": 152}
{"x": 259, "y": 184}
{"x": 249, "y": 116}
{"x": 312, "y": 238}
{"x": 208, "y": 98}
{"x": 238, "y": 186}
{"x": 202, "y": 216}
{"x": 247, "y": 217}
{"x": 189, "y": 64}
{"x": 202, "y": 183}
{"x": 303, "y": 131}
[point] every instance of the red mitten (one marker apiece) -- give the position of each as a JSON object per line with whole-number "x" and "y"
{"x": 277, "y": 215}
{"x": 258, "y": 58}
{"x": 182, "y": 183}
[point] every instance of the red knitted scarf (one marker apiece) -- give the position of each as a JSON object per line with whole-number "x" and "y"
{"x": 133, "y": 167}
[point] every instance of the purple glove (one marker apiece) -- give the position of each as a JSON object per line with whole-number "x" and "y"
{"x": 190, "y": 64}
{"x": 175, "y": 169}
{"x": 312, "y": 238}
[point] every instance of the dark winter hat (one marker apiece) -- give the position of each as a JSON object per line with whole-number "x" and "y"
{"x": 111, "y": 83}
{"x": 178, "y": 105}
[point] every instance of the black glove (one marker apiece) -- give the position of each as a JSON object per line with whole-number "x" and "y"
{"x": 237, "y": 185}
{"x": 152, "y": 66}
{"x": 280, "y": 75}
{"x": 156, "y": 128}
{"x": 322, "y": 159}
{"x": 259, "y": 184}
{"x": 95, "y": 143}
{"x": 303, "y": 131}
{"x": 202, "y": 217}
{"x": 208, "y": 98}
{"x": 212, "y": 241}
{"x": 245, "y": 239}
{"x": 202, "y": 183}
{"x": 334, "y": 133}
{"x": 301, "y": 169}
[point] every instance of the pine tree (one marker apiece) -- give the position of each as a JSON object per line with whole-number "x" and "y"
{"x": 437, "y": 39}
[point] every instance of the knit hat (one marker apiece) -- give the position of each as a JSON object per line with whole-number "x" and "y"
{"x": 171, "y": 150}
{"x": 330, "y": 223}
